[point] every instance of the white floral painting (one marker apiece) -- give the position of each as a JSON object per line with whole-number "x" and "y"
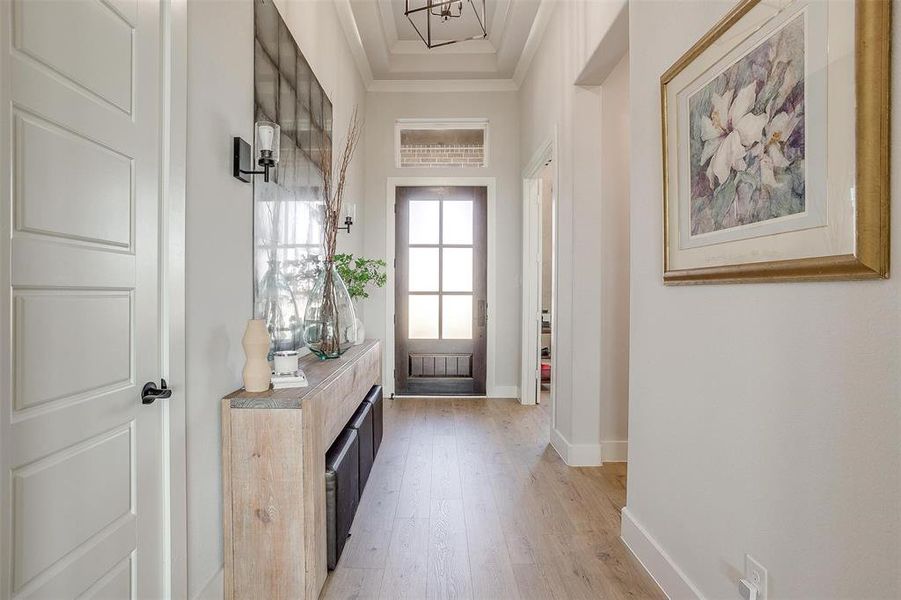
{"x": 747, "y": 140}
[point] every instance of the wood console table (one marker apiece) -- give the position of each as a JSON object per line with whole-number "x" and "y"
{"x": 273, "y": 474}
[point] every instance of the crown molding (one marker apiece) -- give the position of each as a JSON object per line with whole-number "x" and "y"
{"x": 443, "y": 85}
{"x": 536, "y": 35}
{"x": 354, "y": 40}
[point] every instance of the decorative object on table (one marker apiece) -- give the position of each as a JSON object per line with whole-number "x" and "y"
{"x": 358, "y": 274}
{"x": 298, "y": 379}
{"x": 276, "y": 304}
{"x": 776, "y": 148}
{"x": 285, "y": 362}
{"x": 287, "y": 210}
{"x": 257, "y": 375}
{"x": 329, "y": 318}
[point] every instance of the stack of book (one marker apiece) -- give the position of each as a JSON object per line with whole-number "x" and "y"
{"x": 293, "y": 380}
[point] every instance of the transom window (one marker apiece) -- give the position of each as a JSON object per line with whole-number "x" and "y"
{"x": 455, "y": 143}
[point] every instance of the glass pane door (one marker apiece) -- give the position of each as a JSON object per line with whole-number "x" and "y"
{"x": 440, "y": 269}
{"x": 441, "y": 284}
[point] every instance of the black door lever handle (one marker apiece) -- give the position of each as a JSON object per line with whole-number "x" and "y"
{"x": 150, "y": 392}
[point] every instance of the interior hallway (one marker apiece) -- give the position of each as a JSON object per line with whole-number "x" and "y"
{"x": 468, "y": 500}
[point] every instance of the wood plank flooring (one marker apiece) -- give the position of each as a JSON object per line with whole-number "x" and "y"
{"x": 467, "y": 500}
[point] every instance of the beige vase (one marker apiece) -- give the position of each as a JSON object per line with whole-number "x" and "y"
{"x": 257, "y": 375}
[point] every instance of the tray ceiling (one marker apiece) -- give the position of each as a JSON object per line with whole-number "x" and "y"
{"x": 388, "y": 49}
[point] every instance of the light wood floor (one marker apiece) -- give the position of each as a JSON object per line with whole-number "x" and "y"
{"x": 468, "y": 500}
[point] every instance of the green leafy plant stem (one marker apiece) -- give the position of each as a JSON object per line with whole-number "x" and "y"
{"x": 360, "y": 273}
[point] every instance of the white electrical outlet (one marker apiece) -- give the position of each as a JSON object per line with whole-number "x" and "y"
{"x": 756, "y": 575}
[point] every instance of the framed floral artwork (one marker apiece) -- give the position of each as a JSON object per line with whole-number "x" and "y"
{"x": 776, "y": 145}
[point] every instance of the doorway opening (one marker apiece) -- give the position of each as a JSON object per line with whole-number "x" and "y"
{"x": 539, "y": 340}
{"x": 545, "y": 285}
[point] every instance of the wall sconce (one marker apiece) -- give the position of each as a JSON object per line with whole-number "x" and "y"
{"x": 266, "y": 140}
{"x": 350, "y": 213}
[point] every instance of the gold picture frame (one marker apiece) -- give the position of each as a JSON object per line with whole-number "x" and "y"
{"x": 870, "y": 256}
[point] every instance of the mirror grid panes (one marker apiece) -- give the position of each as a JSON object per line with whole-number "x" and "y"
{"x": 440, "y": 260}
{"x": 288, "y": 219}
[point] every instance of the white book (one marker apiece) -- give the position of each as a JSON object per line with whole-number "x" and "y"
{"x": 297, "y": 380}
{"x": 284, "y": 386}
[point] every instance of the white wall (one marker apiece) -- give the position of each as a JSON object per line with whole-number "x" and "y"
{"x": 764, "y": 418}
{"x": 615, "y": 260}
{"x": 500, "y": 108}
{"x": 220, "y": 225}
{"x": 550, "y": 104}
{"x": 219, "y": 296}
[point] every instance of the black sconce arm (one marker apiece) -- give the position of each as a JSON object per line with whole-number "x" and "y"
{"x": 242, "y": 160}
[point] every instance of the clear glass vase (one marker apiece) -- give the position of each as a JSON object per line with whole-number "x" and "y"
{"x": 277, "y": 305}
{"x": 329, "y": 324}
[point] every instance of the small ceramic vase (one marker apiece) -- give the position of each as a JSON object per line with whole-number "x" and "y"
{"x": 257, "y": 374}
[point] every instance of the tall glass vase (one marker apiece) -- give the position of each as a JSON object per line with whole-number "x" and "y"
{"x": 329, "y": 325}
{"x": 277, "y": 305}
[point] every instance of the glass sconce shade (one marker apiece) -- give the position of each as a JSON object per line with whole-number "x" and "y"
{"x": 266, "y": 140}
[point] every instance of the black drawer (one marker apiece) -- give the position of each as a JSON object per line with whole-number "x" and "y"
{"x": 374, "y": 398}
{"x": 342, "y": 491}
{"x": 361, "y": 422}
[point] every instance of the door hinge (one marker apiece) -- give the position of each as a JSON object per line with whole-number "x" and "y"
{"x": 395, "y": 318}
{"x": 395, "y": 263}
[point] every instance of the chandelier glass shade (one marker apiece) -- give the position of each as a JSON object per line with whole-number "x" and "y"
{"x": 431, "y": 13}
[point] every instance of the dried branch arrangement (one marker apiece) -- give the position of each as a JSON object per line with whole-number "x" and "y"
{"x": 329, "y": 322}
{"x": 333, "y": 186}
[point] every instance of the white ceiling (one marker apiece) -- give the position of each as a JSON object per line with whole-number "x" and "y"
{"x": 391, "y": 55}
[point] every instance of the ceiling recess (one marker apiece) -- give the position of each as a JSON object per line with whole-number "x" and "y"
{"x": 427, "y": 16}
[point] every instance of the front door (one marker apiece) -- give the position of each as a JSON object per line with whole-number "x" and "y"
{"x": 82, "y": 488}
{"x": 441, "y": 290}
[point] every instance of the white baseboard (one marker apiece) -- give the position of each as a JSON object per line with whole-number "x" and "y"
{"x": 576, "y": 455}
{"x": 669, "y": 577}
{"x": 214, "y": 589}
{"x": 505, "y": 391}
{"x": 615, "y": 451}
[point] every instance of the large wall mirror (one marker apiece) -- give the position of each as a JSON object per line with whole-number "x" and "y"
{"x": 288, "y": 209}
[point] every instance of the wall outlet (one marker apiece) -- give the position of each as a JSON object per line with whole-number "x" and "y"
{"x": 756, "y": 576}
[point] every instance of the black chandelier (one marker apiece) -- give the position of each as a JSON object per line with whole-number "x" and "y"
{"x": 444, "y": 10}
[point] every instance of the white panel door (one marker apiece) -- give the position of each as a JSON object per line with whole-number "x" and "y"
{"x": 82, "y": 490}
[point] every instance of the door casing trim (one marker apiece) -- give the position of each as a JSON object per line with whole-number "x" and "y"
{"x": 173, "y": 363}
{"x": 388, "y": 355}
